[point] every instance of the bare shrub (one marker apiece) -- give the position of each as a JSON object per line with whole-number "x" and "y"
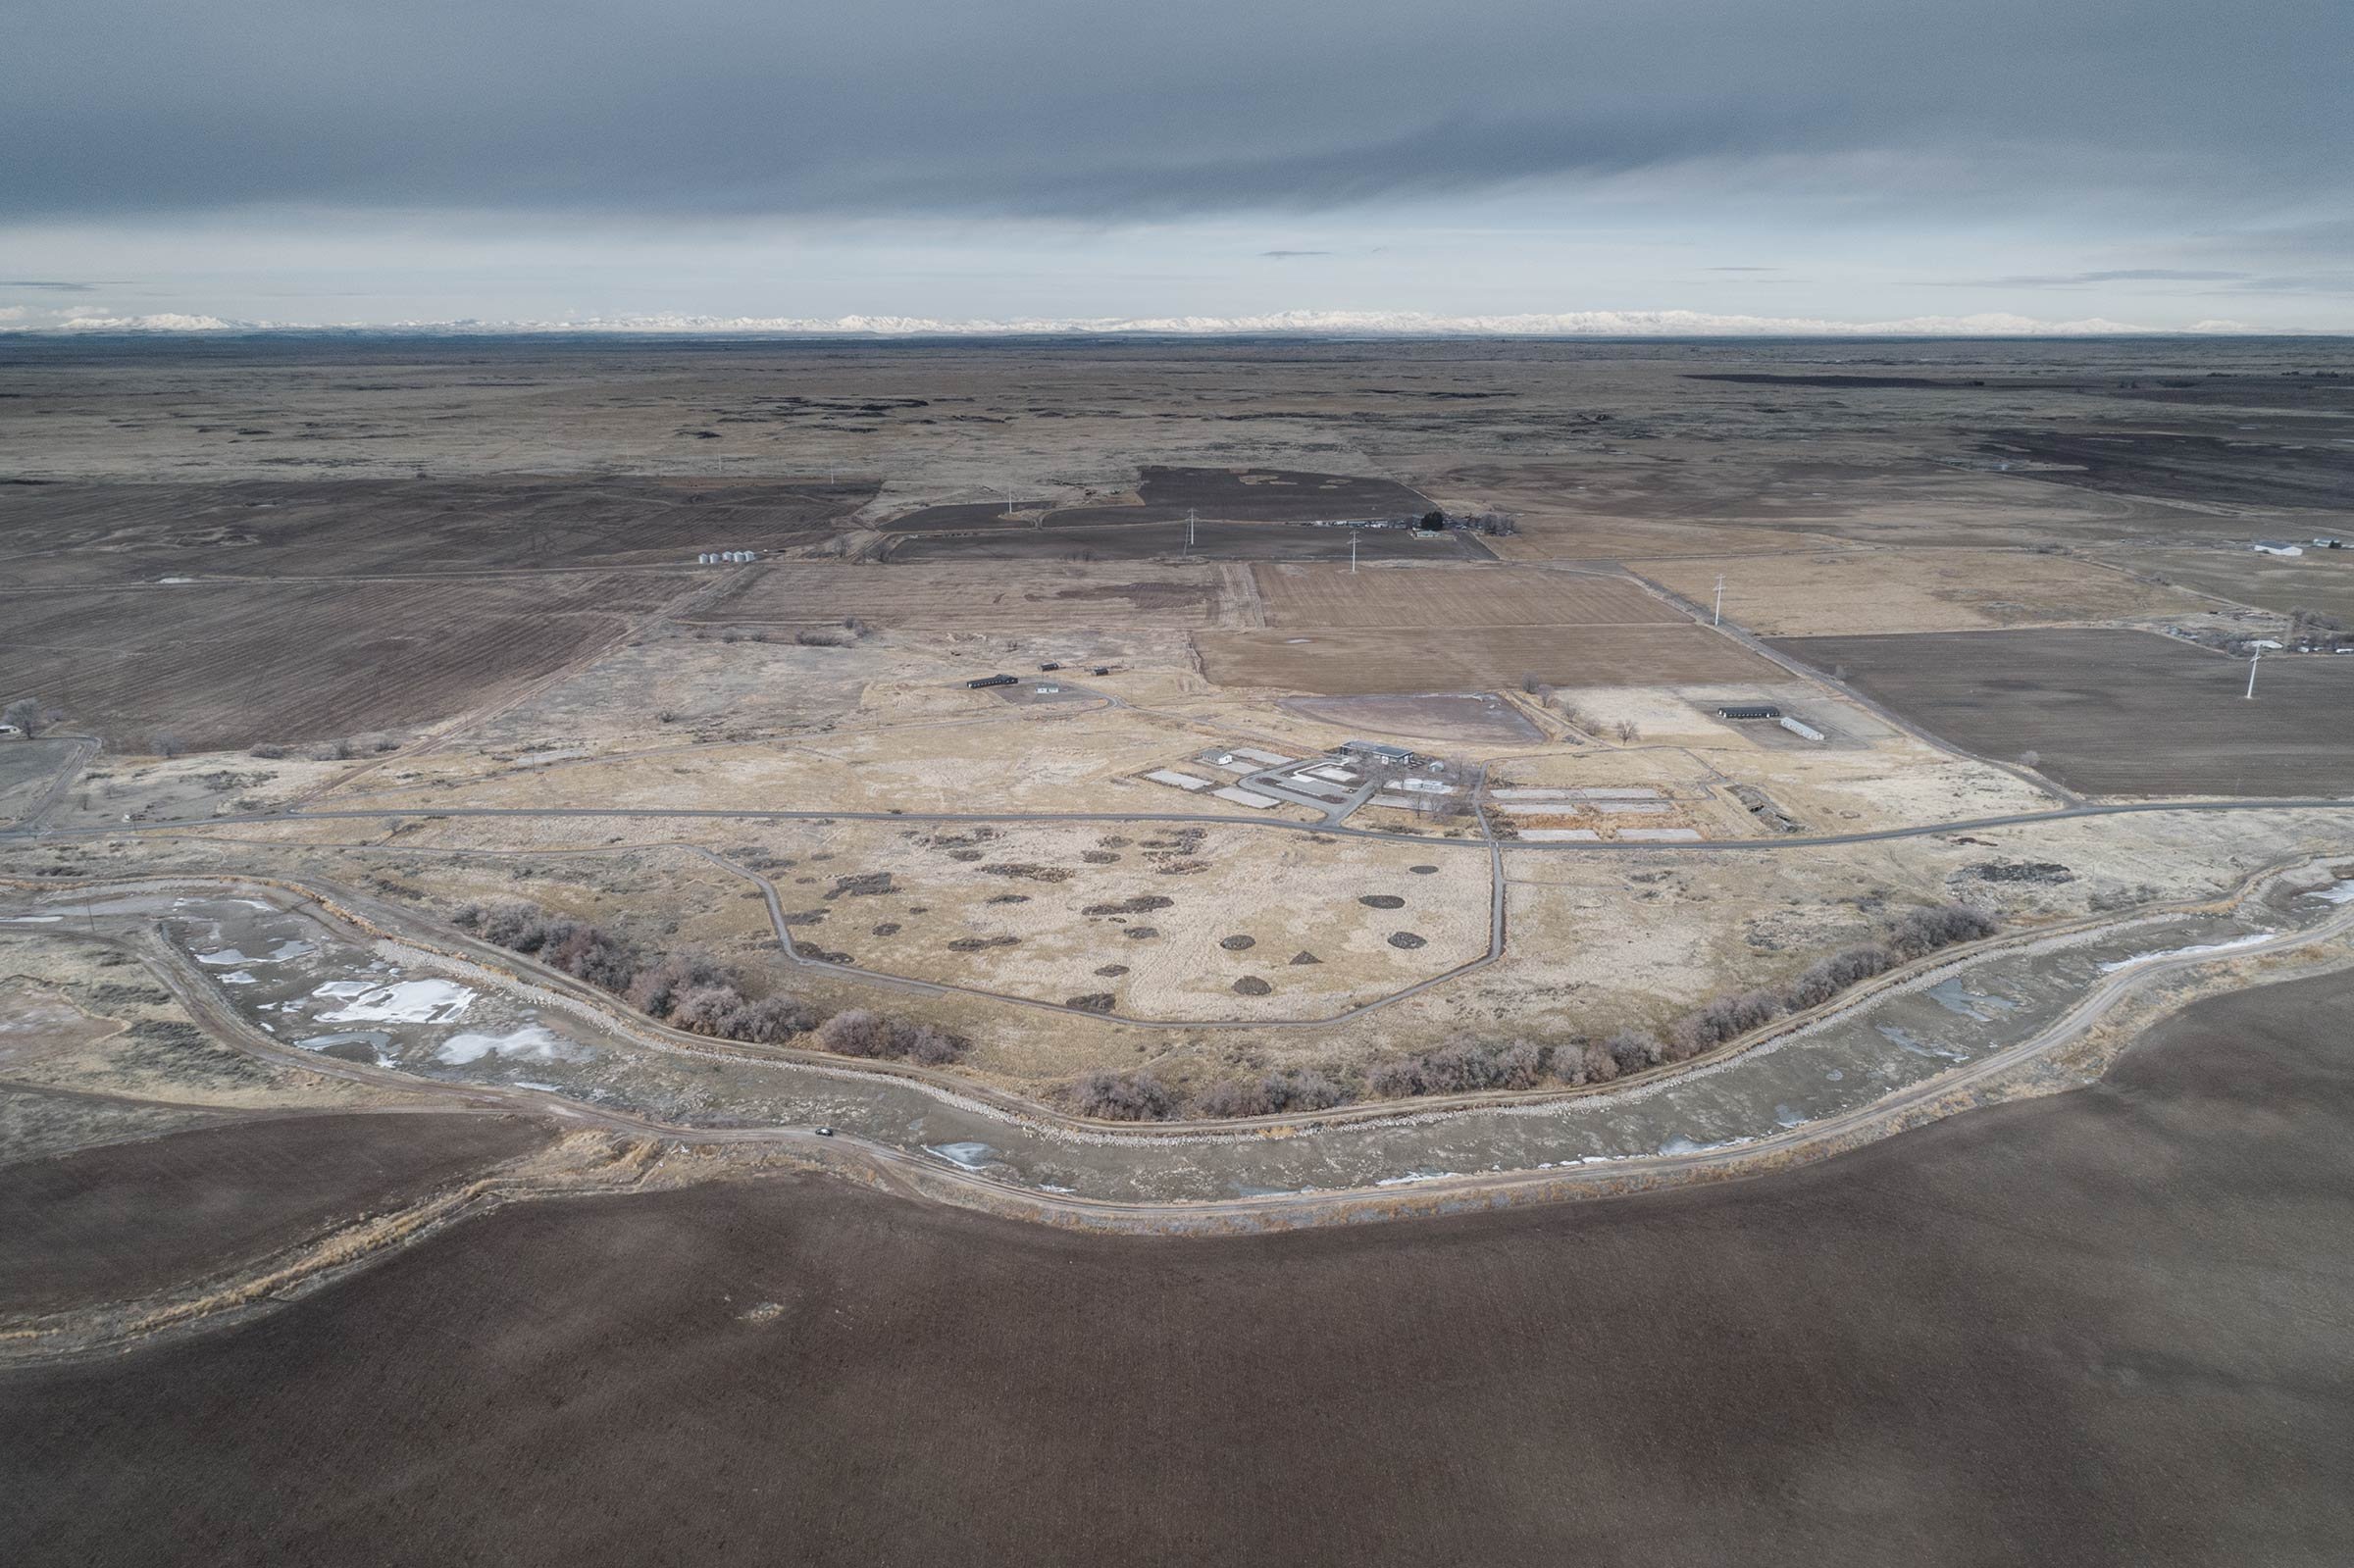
{"x": 1919, "y": 932}
{"x": 1716, "y": 1022}
{"x": 707, "y": 1010}
{"x": 862, "y": 1032}
{"x": 658, "y": 989}
{"x": 267, "y": 753}
{"x": 1631, "y": 1050}
{"x": 824, "y": 637}
{"x": 1456, "y": 1068}
{"x": 1596, "y": 1062}
{"x": 859, "y": 1031}
{"x": 584, "y": 953}
{"x": 1291, "y": 1089}
{"x": 1827, "y": 978}
{"x": 1125, "y": 1097}
{"x": 164, "y": 743}
{"x": 772, "y": 1019}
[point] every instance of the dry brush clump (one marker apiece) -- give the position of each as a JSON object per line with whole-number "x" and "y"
{"x": 1827, "y": 978}
{"x": 1715, "y": 1022}
{"x": 862, "y": 1033}
{"x": 1289, "y": 1089}
{"x": 1137, "y": 1096}
{"x": 1919, "y": 932}
{"x": 1458, "y": 1067}
{"x": 695, "y": 992}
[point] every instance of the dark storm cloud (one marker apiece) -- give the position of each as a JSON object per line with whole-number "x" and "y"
{"x": 1084, "y": 108}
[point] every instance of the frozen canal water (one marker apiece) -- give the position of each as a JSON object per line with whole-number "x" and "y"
{"x": 307, "y": 987}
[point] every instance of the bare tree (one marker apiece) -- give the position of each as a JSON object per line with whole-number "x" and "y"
{"x": 1629, "y": 731}
{"x": 25, "y": 713}
{"x": 164, "y": 743}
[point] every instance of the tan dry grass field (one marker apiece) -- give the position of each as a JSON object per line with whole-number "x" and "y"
{"x": 1861, "y": 590}
{"x": 1450, "y": 596}
{"x": 1356, "y": 661}
{"x": 1041, "y": 911}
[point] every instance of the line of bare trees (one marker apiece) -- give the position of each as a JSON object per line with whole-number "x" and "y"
{"x": 694, "y": 991}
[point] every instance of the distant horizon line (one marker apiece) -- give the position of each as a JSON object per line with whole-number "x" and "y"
{"x": 1592, "y": 325}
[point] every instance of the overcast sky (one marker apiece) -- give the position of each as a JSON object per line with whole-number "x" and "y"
{"x": 2156, "y": 163}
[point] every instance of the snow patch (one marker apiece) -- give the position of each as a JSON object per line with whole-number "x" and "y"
{"x": 406, "y": 1001}
{"x": 533, "y": 1043}
{"x": 2199, "y": 951}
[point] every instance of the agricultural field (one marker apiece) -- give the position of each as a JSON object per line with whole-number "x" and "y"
{"x": 1120, "y": 540}
{"x": 113, "y": 1224}
{"x": 115, "y": 533}
{"x": 998, "y": 595}
{"x": 1453, "y": 597}
{"x": 222, "y": 665}
{"x": 27, "y": 770}
{"x": 2114, "y": 712}
{"x": 1348, "y": 662}
{"x": 2321, "y": 581}
{"x": 702, "y": 1309}
{"x": 1862, "y": 591}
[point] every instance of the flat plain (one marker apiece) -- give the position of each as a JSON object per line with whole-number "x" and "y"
{"x": 389, "y": 683}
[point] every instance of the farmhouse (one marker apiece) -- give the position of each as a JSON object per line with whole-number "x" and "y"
{"x": 1378, "y": 752}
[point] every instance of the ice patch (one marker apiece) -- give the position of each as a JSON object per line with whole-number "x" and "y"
{"x": 238, "y": 977}
{"x": 1680, "y": 1145}
{"x": 1905, "y": 1040}
{"x": 964, "y": 1156}
{"x": 32, "y": 920}
{"x": 2337, "y": 892}
{"x": 284, "y": 953}
{"x": 2200, "y": 951}
{"x": 1785, "y": 1116}
{"x": 1414, "y": 1176}
{"x": 1956, "y": 997}
{"x": 407, "y": 1001}
{"x": 532, "y": 1042}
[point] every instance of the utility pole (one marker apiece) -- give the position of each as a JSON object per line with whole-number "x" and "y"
{"x": 2252, "y": 662}
{"x": 1720, "y": 618}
